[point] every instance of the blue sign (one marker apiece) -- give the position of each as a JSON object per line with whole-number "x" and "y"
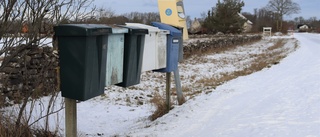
{"x": 168, "y": 12}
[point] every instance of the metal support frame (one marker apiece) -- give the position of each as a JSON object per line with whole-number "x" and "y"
{"x": 177, "y": 81}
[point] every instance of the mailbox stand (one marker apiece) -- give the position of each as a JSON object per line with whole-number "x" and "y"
{"x": 174, "y": 40}
{"x": 168, "y": 81}
{"x": 71, "y": 117}
{"x": 177, "y": 80}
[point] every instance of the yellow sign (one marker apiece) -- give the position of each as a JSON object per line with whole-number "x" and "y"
{"x": 172, "y": 12}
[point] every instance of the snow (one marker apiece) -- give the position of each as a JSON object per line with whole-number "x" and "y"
{"x": 281, "y": 101}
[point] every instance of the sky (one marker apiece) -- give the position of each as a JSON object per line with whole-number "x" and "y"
{"x": 194, "y": 8}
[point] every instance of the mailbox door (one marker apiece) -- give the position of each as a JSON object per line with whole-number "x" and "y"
{"x": 149, "y": 61}
{"x": 133, "y": 53}
{"x": 81, "y": 73}
{"x": 132, "y": 64}
{"x": 174, "y": 43}
{"x": 161, "y": 51}
{"x": 115, "y": 59}
{"x": 149, "y": 53}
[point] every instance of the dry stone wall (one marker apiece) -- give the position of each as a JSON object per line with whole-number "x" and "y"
{"x": 28, "y": 72}
{"x": 203, "y": 43}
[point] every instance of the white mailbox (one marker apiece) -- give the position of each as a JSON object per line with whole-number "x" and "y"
{"x": 155, "y": 47}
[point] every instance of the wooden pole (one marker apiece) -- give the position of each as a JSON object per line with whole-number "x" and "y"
{"x": 177, "y": 80}
{"x": 71, "y": 117}
{"x": 168, "y": 81}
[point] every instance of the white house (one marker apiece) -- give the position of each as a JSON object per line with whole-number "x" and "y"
{"x": 247, "y": 26}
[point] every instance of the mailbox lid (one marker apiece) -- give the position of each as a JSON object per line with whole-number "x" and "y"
{"x": 82, "y": 30}
{"x": 173, "y": 31}
{"x": 150, "y": 28}
{"x": 119, "y": 30}
{"x": 135, "y": 30}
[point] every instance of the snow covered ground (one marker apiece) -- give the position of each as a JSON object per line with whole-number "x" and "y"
{"x": 281, "y": 101}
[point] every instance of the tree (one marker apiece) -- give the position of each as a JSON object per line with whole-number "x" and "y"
{"x": 24, "y": 24}
{"x": 261, "y": 18}
{"x": 225, "y": 17}
{"x": 281, "y": 8}
{"x": 313, "y": 22}
{"x": 145, "y": 18}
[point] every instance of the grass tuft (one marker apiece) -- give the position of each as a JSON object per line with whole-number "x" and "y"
{"x": 161, "y": 107}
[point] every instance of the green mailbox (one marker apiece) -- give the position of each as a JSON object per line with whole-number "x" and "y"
{"x": 82, "y": 51}
{"x": 133, "y": 54}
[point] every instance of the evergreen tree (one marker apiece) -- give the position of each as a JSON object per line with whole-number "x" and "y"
{"x": 225, "y": 17}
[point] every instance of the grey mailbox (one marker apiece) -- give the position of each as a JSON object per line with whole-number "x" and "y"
{"x": 115, "y": 54}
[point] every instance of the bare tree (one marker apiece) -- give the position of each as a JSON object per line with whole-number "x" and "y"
{"x": 281, "y": 8}
{"x": 145, "y": 18}
{"x": 23, "y": 25}
{"x": 105, "y": 13}
{"x": 261, "y": 18}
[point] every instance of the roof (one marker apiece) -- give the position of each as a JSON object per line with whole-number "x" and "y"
{"x": 248, "y": 21}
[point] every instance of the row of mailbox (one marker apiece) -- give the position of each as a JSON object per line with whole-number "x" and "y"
{"x": 93, "y": 56}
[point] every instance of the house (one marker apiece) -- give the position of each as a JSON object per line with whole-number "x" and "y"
{"x": 303, "y": 27}
{"x": 247, "y": 26}
{"x": 195, "y": 27}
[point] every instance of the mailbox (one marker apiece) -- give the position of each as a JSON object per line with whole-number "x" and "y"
{"x": 133, "y": 54}
{"x": 115, "y": 53}
{"x": 173, "y": 44}
{"x": 82, "y": 51}
{"x": 155, "y": 47}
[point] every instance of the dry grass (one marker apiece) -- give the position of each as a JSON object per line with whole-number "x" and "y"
{"x": 279, "y": 44}
{"x": 8, "y": 131}
{"x": 8, "y": 128}
{"x": 271, "y": 56}
{"x": 161, "y": 106}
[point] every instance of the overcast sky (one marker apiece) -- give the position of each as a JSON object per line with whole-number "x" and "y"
{"x": 194, "y": 8}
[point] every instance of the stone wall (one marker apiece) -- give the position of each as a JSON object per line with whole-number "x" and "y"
{"x": 203, "y": 43}
{"x": 28, "y": 72}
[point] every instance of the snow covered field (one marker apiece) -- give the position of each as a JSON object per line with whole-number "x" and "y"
{"x": 281, "y": 101}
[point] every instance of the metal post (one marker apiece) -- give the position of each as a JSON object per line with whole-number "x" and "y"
{"x": 168, "y": 81}
{"x": 177, "y": 80}
{"x": 71, "y": 117}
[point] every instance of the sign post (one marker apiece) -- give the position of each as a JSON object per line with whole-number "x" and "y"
{"x": 177, "y": 80}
